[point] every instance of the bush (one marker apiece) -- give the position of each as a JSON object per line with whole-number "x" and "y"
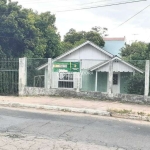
{"x": 136, "y": 83}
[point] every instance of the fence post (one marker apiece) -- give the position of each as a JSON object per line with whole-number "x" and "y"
{"x": 49, "y": 74}
{"x": 22, "y": 75}
{"x": 110, "y": 77}
{"x": 146, "y": 91}
{"x": 79, "y": 77}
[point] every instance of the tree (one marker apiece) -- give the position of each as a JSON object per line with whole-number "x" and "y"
{"x": 94, "y": 36}
{"x": 65, "y": 46}
{"x": 45, "y": 23}
{"x": 136, "y": 54}
{"x": 135, "y": 84}
{"x": 73, "y": 36}
{"x": 136, "y": 51}
{"x": 26, "y": 33}
{"x": 101, "y": 31}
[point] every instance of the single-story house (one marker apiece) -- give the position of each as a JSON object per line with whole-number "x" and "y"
{"x": 89, "y": 68}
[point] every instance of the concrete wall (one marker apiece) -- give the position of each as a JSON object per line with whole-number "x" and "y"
{"x": 32, "y": 91}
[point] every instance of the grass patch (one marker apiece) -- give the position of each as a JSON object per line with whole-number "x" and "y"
{"x": 141, "y": 113}
{"x": 84, "y": 112}
{"x": 95, "y": 113}
{"x": 124, "y": 111}
{"x": 65, "y": 110}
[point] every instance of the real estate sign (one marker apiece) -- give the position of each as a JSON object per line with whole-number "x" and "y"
{"x": 66, "y": 66}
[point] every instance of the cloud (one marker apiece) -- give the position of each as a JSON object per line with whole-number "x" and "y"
{"x": 109, "y": 17}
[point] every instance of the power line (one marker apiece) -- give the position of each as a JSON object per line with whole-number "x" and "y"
{"x": 61, "y": 0}
{"x": 106, "y": 5}
{"x": 115, "y": 4}
{"x": 37, "y": 1}
{"x": 132, "y": 16}
{"x": 64, "y": 6}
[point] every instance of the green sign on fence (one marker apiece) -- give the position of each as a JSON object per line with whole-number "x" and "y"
{"x": 66, "y": 66}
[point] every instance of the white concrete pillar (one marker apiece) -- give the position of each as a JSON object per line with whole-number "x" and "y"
{"x": 49, "y": 74}
{"x": 79, "y": 77}
{"x": 110, "y": 78}
{"x": 45, "y": 78}
{"x": 78, "y": 82}
{"x": 22, "y": 75}
{"x": 96, "y": 81}
{"x": 146, "y": 91}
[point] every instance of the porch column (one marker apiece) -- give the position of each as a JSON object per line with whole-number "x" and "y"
{"x": 96, "y": 81}
{"x": 22, "y": 75}
{"x": 146, "y": 91}
{"x": 110, "y": 77}
{"x": 49, "y": 74}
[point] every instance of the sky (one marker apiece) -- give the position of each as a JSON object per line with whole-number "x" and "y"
{"x": 136, "y": 29}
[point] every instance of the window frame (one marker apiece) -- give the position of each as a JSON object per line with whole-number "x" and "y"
{"x": 115, "y": 81}
{"x": 67, "y": 82}
{"x": 68, "y": 78}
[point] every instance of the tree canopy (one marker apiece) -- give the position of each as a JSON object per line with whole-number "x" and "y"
{"x": 26, "y": 33}
{"x": 75, "y": 38}
{"x": 136, "y": 51}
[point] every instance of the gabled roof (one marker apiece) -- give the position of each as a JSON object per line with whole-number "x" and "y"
{"x": 76, "y": 48}
{"x": 116, "y": 57}
{"x": 73, "y": 50}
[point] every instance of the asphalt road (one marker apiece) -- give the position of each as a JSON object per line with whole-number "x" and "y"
{"x": 56, "y": 131}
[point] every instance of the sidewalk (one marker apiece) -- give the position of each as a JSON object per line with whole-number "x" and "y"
{"x": 58, "y": 102}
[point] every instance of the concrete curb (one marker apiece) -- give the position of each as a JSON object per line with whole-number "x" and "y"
{"x": 57, "y": 108}
{"x": 76, "y": 110}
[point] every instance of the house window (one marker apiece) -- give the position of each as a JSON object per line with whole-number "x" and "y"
{"x": 65, "y": 80}
{"x": 65, "y": 76}
{"x": 115, "y": 79}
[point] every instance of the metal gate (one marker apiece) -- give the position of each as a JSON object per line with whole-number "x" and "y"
{"x": 9, "y": 76}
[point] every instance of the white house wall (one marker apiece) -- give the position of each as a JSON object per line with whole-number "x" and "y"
{"x": 121, "y": 67}
{"x": 117, "y": 67}
{"x": 86, "y": 64}
{"x": 87, "y": 52}
{"x": 55, "y": 79}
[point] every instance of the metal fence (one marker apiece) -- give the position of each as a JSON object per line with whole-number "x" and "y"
{"x": 35, "y": 77}
{"x": 9, "y": 76}
{"x": 88, "y": 75}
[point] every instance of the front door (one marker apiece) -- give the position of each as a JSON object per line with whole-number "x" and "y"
{"x": 116, "y": 82}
